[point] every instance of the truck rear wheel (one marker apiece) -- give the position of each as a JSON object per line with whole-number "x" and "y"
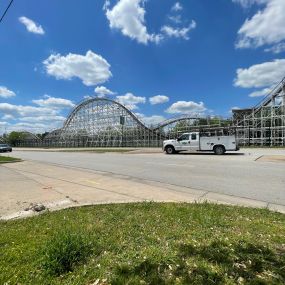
{"x": 169, "y": 149}
{"x": 219, "y": 150}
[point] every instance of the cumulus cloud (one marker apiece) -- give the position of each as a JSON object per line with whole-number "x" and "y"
{"x": 33, "y": 127}
{"x": 177, "y": 7}
{"x": 32, "y": 118}
{"x": 31, "y": 26}
{"x": 158, "y": 99}
{"x": 187, "y": 107}
{"x": 7, "y": 117}
{"x": 261, "y": 75}
{"x": 130, "y": 101}
{"x": 276, "y": 48}
{"x": 45, "y": 119}
{"x": 102, "y": 91}
{"x": 87, "y": 97}
{"x": 178, "y": 32}
{"x": 3, "y": 124}
{"x": 177, "y": 19}
{"x": 262, "y": 92}
{"x": 266, "y": 27}
{"x": 6, "y": 93}
{"x": 248, "y": 3}
{"x": 91, "y": 68}
{"x": 45, "y": 115}
{"x": 54, "y": 103}
{"x": 150, "y": 120}
{"x": 128, "y": 16}
{"x": 20, "y": 110}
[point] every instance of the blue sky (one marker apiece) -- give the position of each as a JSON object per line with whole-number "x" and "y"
{"x": 160, "y": 58}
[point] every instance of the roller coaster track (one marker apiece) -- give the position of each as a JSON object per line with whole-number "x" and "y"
{"x": 163, "y": 124}
{"x": 271, "y": 95}
{"x": 172, "y": 121}
{"x": 86, "y": 102}
{"x": 265, "y": 101}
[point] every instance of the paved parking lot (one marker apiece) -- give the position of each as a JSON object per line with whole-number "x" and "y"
{"x": 252, "y": 174}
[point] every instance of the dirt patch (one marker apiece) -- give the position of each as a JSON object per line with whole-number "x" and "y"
{"x": 272, "y": 158}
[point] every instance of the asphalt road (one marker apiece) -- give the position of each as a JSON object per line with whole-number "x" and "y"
{"x": 243, "y": 174}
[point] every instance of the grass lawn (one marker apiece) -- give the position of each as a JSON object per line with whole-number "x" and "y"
{"x": 5, "y": 159}
{"x": 147, "y": 243}
{"x": 98, "y": 150}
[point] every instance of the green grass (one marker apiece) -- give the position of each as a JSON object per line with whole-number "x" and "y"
{"x": 7, "y": 159}
{"x": 98, "y": 150}
{"x": 147, "y": 243}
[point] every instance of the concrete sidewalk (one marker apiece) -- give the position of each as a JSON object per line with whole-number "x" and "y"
{"x": 56, "y": 187}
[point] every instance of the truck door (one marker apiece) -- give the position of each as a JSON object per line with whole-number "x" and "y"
{"x": 194, "y": 141}
{"x": 183, "y": 142}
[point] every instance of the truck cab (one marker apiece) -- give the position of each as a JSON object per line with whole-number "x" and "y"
{"x": 185, "y": 142}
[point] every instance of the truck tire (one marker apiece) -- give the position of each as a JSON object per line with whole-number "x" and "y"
{"x": 219, "y": 150}
{"x": 169, "y": 149}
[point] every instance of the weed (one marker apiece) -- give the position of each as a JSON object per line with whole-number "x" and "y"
{"x": 64, "y": 250}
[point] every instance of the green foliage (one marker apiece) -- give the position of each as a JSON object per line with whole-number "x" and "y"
{"x": 14, "y": 137}
{"x": 64, "y": 250}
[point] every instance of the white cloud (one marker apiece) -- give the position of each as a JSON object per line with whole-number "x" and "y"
{"x": 150, "y": 120}
{"x": 8, "y": 117}
{"x": 31, "y": 118}
{"x": 261, "y": 75}
{"x": 178, "y": 32}
{"x": 260, "y": 93}
{"x": 3, "y": 124}
{"x": 55, "y": 103}
{"x": 177, "y": 7}
{"x": 130, "y": 101}
{"x": 20, "y": 110}
{"x": 91, "y": 68}
{"x": 43, "y": 119}
{"x": 6, "y": 93}
{"x": 248, "y": 3}
{"x": 128, "y": 16}
{"x": 31, "y": 26}
{"x": 34, "y": 128}
{"x": 266, "y": 27}
{"x": 184, "y": 107}
{"x": 87, "y": 97}
{"x": 102, "y": 91}
{"x": 158, "y": 99}
{"x": 276, "y": 48}
{"x": 176, "y": 19}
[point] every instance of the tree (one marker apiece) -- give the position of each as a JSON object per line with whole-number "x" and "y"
{"x": 15, "y": 137}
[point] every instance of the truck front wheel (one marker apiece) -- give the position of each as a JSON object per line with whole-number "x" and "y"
{"x": 169, "y": 149}
{"x": 219, "y": 150}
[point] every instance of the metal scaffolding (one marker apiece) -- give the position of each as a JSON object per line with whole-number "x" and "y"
{"x": 101, "y": 122}
{"x": 264, "y": 124}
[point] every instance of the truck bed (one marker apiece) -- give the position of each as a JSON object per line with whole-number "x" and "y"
{"x": 207, "y": 143}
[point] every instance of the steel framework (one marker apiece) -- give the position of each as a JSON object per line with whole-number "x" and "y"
{"x": 264, "y": 124}
{"x": 101, "y": 122}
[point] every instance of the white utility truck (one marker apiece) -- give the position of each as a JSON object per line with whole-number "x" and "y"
{"x": 196, "y": 141}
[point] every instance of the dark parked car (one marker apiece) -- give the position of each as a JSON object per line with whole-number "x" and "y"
{"x": 5, "y": 148}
